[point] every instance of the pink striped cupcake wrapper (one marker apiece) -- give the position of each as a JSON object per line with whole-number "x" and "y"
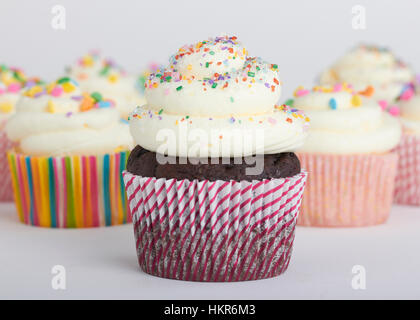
{"x": 407, "y": 184}
{"x": 6, "y": 190}
{"x": 71, "y": 191}
{"x": 347, "y": 190}
{"x": 214, "y": 230}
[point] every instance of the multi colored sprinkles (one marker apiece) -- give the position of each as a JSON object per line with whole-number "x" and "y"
{"x": 67, "y": 87}
{"x": 407, "y": 92}
{"x": 291, "y": 114}
{"x": 104, "y": 68}
{"x": 356, "y": 99}
{"x": 141, "y": 80}
{"x": 12, "y": 81}
{"x": 253, "y": 71}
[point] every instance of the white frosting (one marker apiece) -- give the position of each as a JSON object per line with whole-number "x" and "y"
{"x": 95, "y": 74}
{"x": 224, "y": 137}
{"x": 55, "y": 126}
{"x": 215, "y": 88}
{"x": 346, "y": 128}
{"x": 410, "y": 114}
{"x": 123, "y": 92}
{"x": 365, "y": 66}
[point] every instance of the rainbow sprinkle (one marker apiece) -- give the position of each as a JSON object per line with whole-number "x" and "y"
{"x": 106, "y": 68}
{"x": 12, "y": 80}
{"x": 356, "y": 100}
{"x": 67, "y": 86}
{"x": 291, "y": 113}
{"x": 407, "y": 92}
{"x": 254, "y": 70}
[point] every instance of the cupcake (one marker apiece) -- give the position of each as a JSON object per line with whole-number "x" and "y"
{"x": 368, "y": 65}
{"x": 407, "y": 185}
{"x": 95, "y": 73}
{"x": 348, "y": 156}
{"x": 71, "y": 148}
{"x": 213, "y": 184}
{"x": 12, "y": 81}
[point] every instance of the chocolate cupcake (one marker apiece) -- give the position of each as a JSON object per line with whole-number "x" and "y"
{"x": 144, "y": 163}
{"x": 213, "y": 185}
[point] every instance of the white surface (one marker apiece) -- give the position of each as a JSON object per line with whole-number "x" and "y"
{"x": 102, "y": 263}
{"x": 301, "y": 36}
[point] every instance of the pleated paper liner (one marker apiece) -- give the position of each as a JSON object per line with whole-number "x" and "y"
{"x": 347, "y": 190}
{"x": 407, "y": 184}
{"x": 6, "y": 190}
{"x": 214, "y": 230}
{"x": 71, "y": 191}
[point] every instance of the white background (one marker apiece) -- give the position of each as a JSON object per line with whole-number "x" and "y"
{"x": 101, "y": 263}
{"x": 301, "y": 36}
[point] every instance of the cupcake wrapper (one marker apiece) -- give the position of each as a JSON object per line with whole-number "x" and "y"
{"x": 6, "y": 190}
{"x": 214, "y": 230}
{"x": 407, "y": 183}
{"x": 347, "y": 190}
{"x": 70, "y": 192}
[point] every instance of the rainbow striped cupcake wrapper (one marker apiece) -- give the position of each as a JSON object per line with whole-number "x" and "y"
{"x": 6, "y": 191}
{"x": 70, "y": 191}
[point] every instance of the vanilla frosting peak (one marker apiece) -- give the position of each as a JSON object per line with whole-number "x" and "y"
{"x": 95, "y": 73}
{"x": 215, "y": 86}
{"x": 221, "y": 56}
{"x": 214, "y": 78}
{"x": 370, "y": 65}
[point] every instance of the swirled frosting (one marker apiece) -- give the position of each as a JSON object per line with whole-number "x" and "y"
{"x": 219, "y": 94}
{"x": 59, "y": 120}
{"x": 346, "y": 122}
{"x": 369, "y": 65}
{"x": 94, "y": 73}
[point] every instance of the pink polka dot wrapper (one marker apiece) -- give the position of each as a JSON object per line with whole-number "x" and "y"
{"x": 6, "y": 190}
{"x": 218, "y": 231}
{"x": 407, "y": 184}
{"x": 347, "y": 190}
